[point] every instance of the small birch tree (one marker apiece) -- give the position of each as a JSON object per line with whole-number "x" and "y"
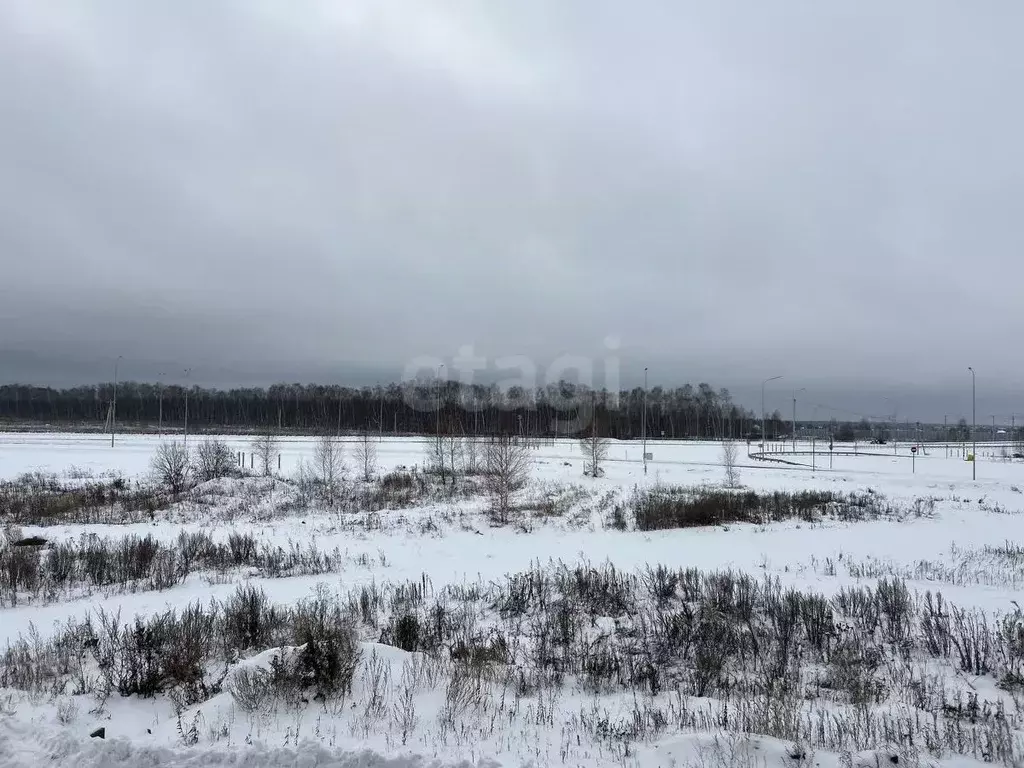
{"x": 732, "y": 472}
{"x": 266, "y": 448}
{"x": 329, "y": 466}
{"x": 507, "y": 469}
{"x": 595, "y": 453}
{"x": 366, "y": 456}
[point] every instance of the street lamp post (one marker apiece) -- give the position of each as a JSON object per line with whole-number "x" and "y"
{"x": 802, "y": 389}
{"x": 643, "y": 422}
{"x": 113, "y": 405}
{"x": 764, "y": 429}
{"x": 974, "y": 421}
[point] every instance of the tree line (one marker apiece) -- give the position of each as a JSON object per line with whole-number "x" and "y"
{"x": 415, "y": 407}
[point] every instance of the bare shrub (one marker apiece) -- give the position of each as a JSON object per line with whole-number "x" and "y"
{"x": 213, "y": 459}
{"x": 67, "y": 711}
{"x": 249, "y": 620}
{"x": 19, "y": 570}
{"x": 164, "y": 572}
{"x": 305, "y": 485}
{"x": 251, "y": 689}
{"x": 366, "y": 456}
{"x": 403, "y": 710}
{"x": 193, "y": 545}
{"x": 164, "y": 653}
{"x": 732, "y": 472}
{"x": 507, "y": 466}
{"x": 684, "y": 507}
{"x": 171, "y": 467}
{"x": 330, "y": 647}
{"x": 972, "y": 640}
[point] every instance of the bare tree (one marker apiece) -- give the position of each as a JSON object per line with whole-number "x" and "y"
{"x": 329, "y": 466}
{"x": 452, "y": 447}
{"x": 305, "y": 485}
{"x": 595, "y": 452}
{"x": 213, "y": 459}
{"x": 732, "y": 472}
{"x": 267, "y": 448}
{"x": 366, "y": 455}
{"x": 171, "y": 467}
{"x": 507, "y": 468}
{"x": 470, "y": 456}
{"x": 443, "y": 454}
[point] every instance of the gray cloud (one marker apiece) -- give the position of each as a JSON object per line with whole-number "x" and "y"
{"x": 733, "y": 189}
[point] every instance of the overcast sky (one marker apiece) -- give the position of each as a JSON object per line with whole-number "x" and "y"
{"x": 830, "y": 191}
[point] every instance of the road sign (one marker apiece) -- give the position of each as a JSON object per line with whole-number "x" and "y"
{"x": 913, "y": 449}
{"x": 648, "y": 456}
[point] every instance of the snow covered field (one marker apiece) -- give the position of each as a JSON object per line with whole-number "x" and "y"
{"x": 451, "y": 669}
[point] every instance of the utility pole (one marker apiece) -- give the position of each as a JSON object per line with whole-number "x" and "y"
{"x": 945, "y": 433}
{"x": 993, "y": 428}
{"x": 188, "y": 371}
{"x": 113, "y": 405}
{"x": 764, "y": 429}
{"x": 794, "y": 423}
{"x": 643, "y": 422}
{"x": 380, "y": 416}
{"x": 974, "y": 422}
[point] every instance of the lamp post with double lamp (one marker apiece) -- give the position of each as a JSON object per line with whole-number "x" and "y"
{"x": 764, "y": 429}
{"x": 974, "y": 422}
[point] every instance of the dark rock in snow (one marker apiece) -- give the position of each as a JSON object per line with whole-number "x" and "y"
{"x": 99, "y": 733}
{"x": 31, "y": 541}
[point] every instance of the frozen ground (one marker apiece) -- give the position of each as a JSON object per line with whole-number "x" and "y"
{"x": 947, "y": 534}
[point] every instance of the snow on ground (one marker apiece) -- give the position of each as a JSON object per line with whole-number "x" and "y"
{"x": 943, "y": 541}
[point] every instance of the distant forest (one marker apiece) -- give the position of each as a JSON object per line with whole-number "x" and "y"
{"x": 408, "y": 408}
